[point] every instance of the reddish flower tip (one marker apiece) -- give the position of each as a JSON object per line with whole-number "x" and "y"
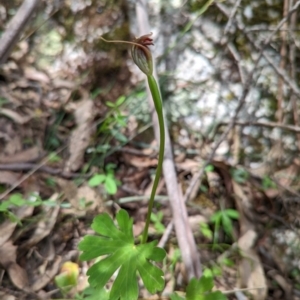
{"x": 141, "y": 54}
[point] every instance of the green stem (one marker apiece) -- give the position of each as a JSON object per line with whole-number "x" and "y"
{"x": 159, "y": 110}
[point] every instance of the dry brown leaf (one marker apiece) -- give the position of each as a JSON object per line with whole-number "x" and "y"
{"x": 33, "y": 74}
{"x": 60, "y": 83}
{"x": 17, "y": 275}
{"x": 140, "y": 162}
{"x": 44, "y": 279}
{"x": 80, "y": 137}
{"x": 189, "y": 165}
{"x": 27, "y": 155}
{"x": 7, "y": 254}
{"x": 7, "y": 227}
{"x": 282, "y": 282}
{"x": 17, "y": 118}
{"x": 251, "y": 272}
{"x": 286, "y": 176}
{"x": 13, "y": 145}
{"x": 7, "y": 177}
{"x": 4, "y": 296}
{"x": 82, "y": 199}
{"x": 138, "y": 228}
{"x": 243, "y": 205}
{"x": 251, "y": 275}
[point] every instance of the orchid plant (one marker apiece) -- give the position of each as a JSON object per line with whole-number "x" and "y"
{"x": 117, "y": 243}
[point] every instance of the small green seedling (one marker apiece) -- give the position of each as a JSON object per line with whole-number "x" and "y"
{"x": 200, "y": 290}
{"x": 268, "y": 183}
{"x": 53, "y": 157}
{"x": 239, "y": 175}
{"x": 93, "y": 294}
{"x": 115, "y": 120}
{"x": 158, "y": 225}
{"x": 224, "y": 218}
{"x": 205, "y": 230}
{"x": 17, "y": 200}
{"x": 108, "y": 179}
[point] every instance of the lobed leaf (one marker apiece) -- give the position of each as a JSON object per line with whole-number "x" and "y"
{"x": 201, "y": 290}
{"x": 122, "y": 255}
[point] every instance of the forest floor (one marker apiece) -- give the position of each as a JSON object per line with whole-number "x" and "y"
{"x": 61, "y": 128}
{"x": 49, "y": 198}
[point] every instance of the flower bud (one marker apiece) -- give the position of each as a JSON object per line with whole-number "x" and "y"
{"x": 142, "y": 55}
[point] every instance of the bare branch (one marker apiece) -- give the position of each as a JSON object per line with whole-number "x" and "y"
{"x": 15, "y": 28}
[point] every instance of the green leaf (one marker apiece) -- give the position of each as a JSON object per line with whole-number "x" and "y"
{"x": 227, "y": 262}
{"x": 121, "y": 120}
{"x": 53, "y": 157}
{"x": 110, "y": 185}
{"x": 120, "y": 100}
{"x": 110, "y": 104}
{"x": 4, "y": 206}
{"x": 95, "y": 294}
{"x": 201, "y": 290}
{"x": 159, "y": 227}
{"x": 110, "y": 166}
{"x": 216, "y": 216}
{"x": 175, "y": 296}
{"x": 232, "y": 213}
{"x": 267, "y": 183}
{"x": 205, "y": 284}
{"x": 215, "y": 296}
{"x": 227, "y": 224}
{"x": 205, "y": 230}
{"x": 96, "y": 180}
{"x": 103, "y": 148}
{"x": 13, "y": 218}
{"x": 208, "y": 273}
{"x": 216, "y": 270}
{"x": 209, "y": 168}
{"x": 96, "y": 93}
{"x": 17, "y": 200}
{"x": 239, "y": 175}
{"x": 119, "y": 136}
{"x": 118, "y": 244}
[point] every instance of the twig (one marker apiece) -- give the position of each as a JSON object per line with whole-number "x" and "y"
{"x": 15, "y": 28}
{"x": 46, "y": 169}
{"x": 280, "y": 72}
{"x": 265, "y": 124}
{"x": 37, "y": 167}
{"x": 282, "y": 65}
{"x": 232, "y": 14}
{"x": 280, "y": 24}
{"x": 166, "y": 235}
{"x": 237, "y": 58}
